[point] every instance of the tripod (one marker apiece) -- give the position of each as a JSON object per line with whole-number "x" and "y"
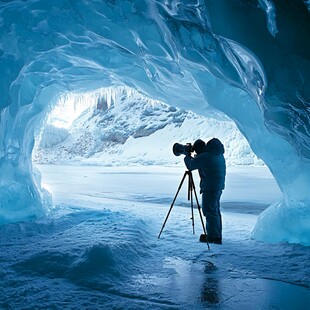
{"x": 191, "y": 189}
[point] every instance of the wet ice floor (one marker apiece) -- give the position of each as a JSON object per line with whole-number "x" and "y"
{"x": 99, "y": 247}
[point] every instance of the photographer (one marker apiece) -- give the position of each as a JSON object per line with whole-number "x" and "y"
{"x": 211, "y": 166}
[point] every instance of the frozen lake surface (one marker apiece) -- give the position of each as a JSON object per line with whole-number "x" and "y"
{"x": 98, "y": 248}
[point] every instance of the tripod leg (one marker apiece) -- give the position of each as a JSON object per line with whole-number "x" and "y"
{"x": 175, "y": 197}
{"x": 190, "y": 197}
{"x": 198, "y": 205}
{"x": 199, "y": 208}
{"x": 201, "y": 218}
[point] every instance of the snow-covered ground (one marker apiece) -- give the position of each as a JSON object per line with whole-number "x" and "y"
{"x": 98, "y": 248}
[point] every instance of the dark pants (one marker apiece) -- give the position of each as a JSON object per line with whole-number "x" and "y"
{"x": 211, "y": 210}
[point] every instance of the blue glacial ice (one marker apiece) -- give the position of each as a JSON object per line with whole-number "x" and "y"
{"x": 233, "y": 56}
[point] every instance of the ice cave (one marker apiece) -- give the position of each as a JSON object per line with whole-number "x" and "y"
{"x": 248, "y": 59}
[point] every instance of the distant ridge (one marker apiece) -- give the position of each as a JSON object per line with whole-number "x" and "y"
{"x": 123, "y": 127}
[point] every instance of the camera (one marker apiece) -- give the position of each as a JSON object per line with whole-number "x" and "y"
{"x": 179, "y": 149}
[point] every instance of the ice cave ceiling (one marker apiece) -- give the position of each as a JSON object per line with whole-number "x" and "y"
{"x": 249, "y": 59}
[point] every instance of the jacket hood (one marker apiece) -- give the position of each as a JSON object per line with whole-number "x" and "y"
{"x": 215, "y": 147}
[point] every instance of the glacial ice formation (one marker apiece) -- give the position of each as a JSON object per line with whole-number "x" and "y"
{"x": 231, "y": 55}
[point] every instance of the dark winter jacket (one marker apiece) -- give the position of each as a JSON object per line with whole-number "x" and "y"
{"x": 211, "y": 167}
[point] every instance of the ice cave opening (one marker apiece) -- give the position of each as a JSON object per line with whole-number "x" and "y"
{"x": 131, "y": 128}
{"x": 101, "y": 122}
{"x": 251, "y": 66}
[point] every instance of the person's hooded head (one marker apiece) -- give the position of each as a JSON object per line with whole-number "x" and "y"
{"x": 199, "y": 146}
{"x": 215, "y": 146}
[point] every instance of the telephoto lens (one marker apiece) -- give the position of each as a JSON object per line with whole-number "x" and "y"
{"x": 179, "y": 149}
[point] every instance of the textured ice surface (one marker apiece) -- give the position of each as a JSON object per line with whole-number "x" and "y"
{"x": 98, "y": 249}
{"x": 191, "y": 55}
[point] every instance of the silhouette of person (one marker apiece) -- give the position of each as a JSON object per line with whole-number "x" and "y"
{"x": 210, "y": 162}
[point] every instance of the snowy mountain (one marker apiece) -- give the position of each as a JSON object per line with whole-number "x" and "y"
{"x": 122, "y": 127}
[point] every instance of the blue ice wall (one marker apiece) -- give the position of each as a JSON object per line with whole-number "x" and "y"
{"x": 233, "y": 55}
